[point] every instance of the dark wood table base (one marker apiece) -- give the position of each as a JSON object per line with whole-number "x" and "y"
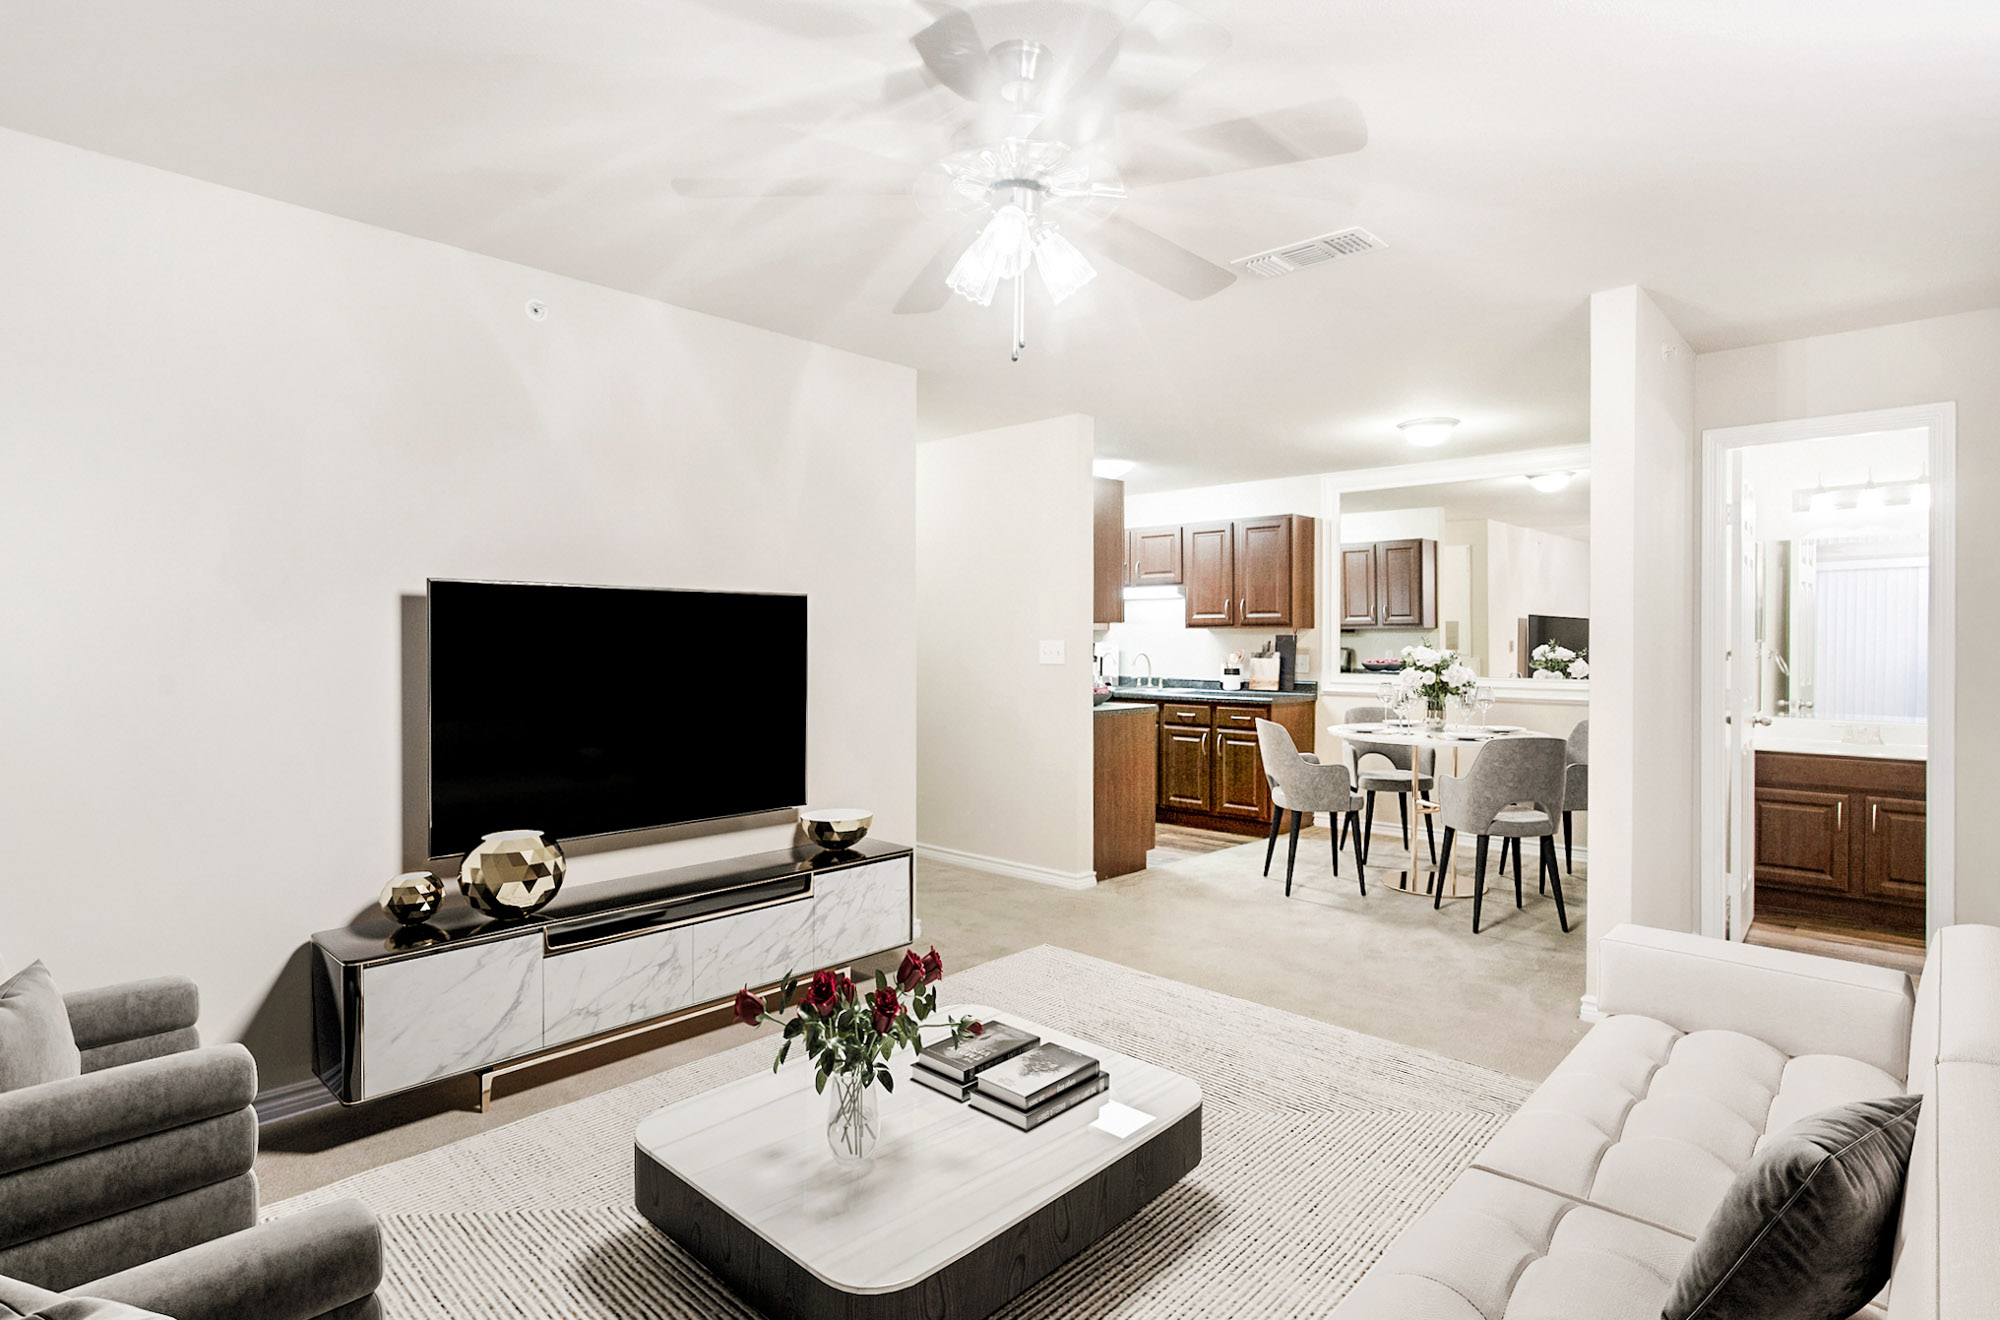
{"x": 970, "y": 1288}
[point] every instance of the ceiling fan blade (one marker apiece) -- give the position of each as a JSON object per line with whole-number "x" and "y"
{"x": 1161, "y": 260}
{"x": 928, "y": 291}
{"x": 1312, "y": 131}
{"x": 832, "y": 186}
{"x": 1161, "y": 50}
{"x": 955, "y": 53}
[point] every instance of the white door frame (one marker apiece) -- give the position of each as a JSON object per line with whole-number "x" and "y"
{"x": 1940, "y": 421}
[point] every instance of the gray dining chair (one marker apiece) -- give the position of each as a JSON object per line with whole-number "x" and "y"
{"x": 1303, "y": 786}
{"x": 1514, "y": 790}
{"x": 1576, "y": 784}
{"x": 1371, "y": 781}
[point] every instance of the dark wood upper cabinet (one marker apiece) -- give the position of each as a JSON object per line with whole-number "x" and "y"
{"x": 1208, "y": 571}
{"x": 1109, "y": 569}
{"x": 1357, "y": 586}
{"x": 1274, "y": 572}
{"x": 1155, "y": 554}
{"x": 1389, "y": 584}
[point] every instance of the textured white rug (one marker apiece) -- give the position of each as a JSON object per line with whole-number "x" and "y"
{"x": 1318, "y": 1146}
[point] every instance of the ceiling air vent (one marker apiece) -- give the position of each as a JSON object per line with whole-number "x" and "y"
{"x": 1313, "y": 252}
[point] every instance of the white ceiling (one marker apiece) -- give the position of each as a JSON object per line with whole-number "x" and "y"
{"x": 1767, "y": 170}
{"x": 1499, "y": 499}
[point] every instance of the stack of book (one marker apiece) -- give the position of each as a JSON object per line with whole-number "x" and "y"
{"x": 1011, "y": 1075}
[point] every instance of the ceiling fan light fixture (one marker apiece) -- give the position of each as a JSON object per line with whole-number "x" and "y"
{"x": 1548, "y": 483}
{"x": 1001, "y": 252}
{"x": 1064, "y": 269}
{"x": 1424, "y": 432}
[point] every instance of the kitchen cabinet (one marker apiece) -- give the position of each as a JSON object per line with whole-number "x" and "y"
{"x": 1211, "y": 771}
{"x": 1249, "y": 572}
{"x": 1109, "y": 567}
{"x": 1123, "y": 799}
{"x": 1154, "y": 556}
{"x": 1840, "y": 839}
{"x": 1389, "y": 584}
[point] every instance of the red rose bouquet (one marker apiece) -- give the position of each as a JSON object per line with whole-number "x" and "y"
{"x": 851, "y": 1037}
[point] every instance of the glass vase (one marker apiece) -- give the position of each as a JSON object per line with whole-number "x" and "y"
{"x": 852, "y": 1119}
{"x": 1434, "y": 714}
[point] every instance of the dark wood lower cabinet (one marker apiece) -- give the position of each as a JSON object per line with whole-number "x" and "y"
{"x": 1187, "y": 768}
{"x": 1240, "y": 787}
{"x": 1840, "y": 839}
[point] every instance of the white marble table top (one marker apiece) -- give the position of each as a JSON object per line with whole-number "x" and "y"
{"x": 945, "y": 1177}
{"x": 1415, "y": 735}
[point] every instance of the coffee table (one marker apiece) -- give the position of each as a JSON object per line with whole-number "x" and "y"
{"x": 958, "y": 1214}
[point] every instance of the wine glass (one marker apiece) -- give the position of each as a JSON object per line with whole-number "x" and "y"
{"x": 1482, "y": 699}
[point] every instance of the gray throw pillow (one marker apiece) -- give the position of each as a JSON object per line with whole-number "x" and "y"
{"x": 36, "y": 1044}
{"x": 1807, "y": 1230}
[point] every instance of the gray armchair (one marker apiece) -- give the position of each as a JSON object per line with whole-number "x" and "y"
{"x": 1396, "y": 779}
{"x": 322, "y": 1264}
{"x": 1514, "y": 790}
{"x": 1576, "y": 784}
{"x": 140, "y": 1169}
{"x": 1301, "y": 785}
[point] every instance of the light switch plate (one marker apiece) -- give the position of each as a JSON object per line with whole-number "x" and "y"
{"x": 1305, "y": 663}
{"x": 1052, "y": 653}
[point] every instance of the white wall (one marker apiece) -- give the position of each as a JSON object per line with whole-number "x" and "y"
{"x": 1157, "y": 628}
{"x": 1003, "y": 563}
{"x": 1645, "y": 468}
{"x": 1943, "y": 359}
{"x": 237, "y": 435}
{"x": 1529, "y": 571}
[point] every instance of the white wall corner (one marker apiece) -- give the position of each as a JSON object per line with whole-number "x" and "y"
{"x": 1041, "y": 875}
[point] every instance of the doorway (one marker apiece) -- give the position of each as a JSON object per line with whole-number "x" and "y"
{"x": 1827, "y": 682}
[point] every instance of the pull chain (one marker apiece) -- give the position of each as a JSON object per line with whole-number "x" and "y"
{"x": 1020, "y": 314}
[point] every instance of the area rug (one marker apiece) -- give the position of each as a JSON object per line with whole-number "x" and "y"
{"x": 1319, "y": 1145}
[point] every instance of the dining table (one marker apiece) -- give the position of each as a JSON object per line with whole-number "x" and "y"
{"x": 1461, "y": 741}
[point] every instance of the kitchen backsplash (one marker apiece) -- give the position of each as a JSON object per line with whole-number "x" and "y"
{"x": 1158, "y": 629}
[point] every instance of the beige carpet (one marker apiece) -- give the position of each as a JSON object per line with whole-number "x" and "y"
{"x": 1319, "y": 1146}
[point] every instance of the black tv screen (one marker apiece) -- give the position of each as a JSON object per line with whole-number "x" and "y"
{"x": 596, "y": 710}
{"x": 1560, "y": 629}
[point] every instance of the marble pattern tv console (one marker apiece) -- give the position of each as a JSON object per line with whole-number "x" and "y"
{"x": 401, "y": 1007}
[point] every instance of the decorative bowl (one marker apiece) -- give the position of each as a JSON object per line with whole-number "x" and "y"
{"x": 835, "y": 828}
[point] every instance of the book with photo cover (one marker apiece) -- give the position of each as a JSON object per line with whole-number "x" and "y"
{"x": 1025, "y": 1080}
{"x": 959, "y": 1062}
{"x": 942, "y": 1084}
{"x": 1060, "y": 1103}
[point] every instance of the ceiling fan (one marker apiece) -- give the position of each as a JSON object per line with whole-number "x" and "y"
{"x": 1053, "y": 124}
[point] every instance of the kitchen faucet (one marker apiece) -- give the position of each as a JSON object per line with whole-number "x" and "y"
{"x": 1149, "y": 669}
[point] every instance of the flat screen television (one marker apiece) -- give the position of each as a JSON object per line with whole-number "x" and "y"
{"x": 582, "y": 711}
{"x": 1563, "y": 630}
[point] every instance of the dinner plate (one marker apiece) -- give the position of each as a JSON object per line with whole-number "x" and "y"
{"x": 1503, "y": 728}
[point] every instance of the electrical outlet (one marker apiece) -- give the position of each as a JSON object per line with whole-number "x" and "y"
{"x": 1052, "y": 653}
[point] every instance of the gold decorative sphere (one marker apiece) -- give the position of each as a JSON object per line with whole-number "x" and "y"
{"x": 512, "y": 873}
{"x": 412, "y": 896}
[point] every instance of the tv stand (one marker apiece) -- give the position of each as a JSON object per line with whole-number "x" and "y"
{"x": 398, "y": 1007}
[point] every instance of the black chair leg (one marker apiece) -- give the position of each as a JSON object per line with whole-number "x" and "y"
{"x": 1479, "y": 879}
{"x": 1277, "y": 815}
{"x": 1340, "y": 829}
{"x": 1292, "y": 852}
{"x": 1517, "y": 878}
{"x": 1368, "y": 825}
{"x": 1360, "y": 863}
{"x": 1333, "y": 833}
{"x": 1437, "y": 872}
{"x": 1403, "y": 810}
{"x": 1569, "y": 856}
{"x": 1556, "y": 883}
{"x": 1503, "y": 859}
{"x": 1430, "y": 835}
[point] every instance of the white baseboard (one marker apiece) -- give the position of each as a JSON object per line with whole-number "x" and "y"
{"x": 1589, "y": 1011}
{"x": 1041, "y": 875}
{"x": 291, "y": 1100}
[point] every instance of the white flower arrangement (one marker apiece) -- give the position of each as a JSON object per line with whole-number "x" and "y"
{"x": 1435, "y": 674}
{"x": 1552, "y": 661}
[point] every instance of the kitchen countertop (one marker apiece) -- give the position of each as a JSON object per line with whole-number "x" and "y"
{"x": 1120, "y": 707}
{"x": 1215, "y": 694}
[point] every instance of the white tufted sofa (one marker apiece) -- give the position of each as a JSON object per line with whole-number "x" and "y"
{"x": 1585, "y": 1204}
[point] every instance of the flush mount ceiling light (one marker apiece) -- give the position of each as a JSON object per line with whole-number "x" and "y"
{"x": 1025, "y": 189}
{"x": 1425, "y": 432}
{"x": 1550, "y": 482}
{"x": 1111, "y": 468}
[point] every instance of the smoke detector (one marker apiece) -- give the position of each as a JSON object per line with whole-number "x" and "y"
{"x": 1350, "y": 242}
